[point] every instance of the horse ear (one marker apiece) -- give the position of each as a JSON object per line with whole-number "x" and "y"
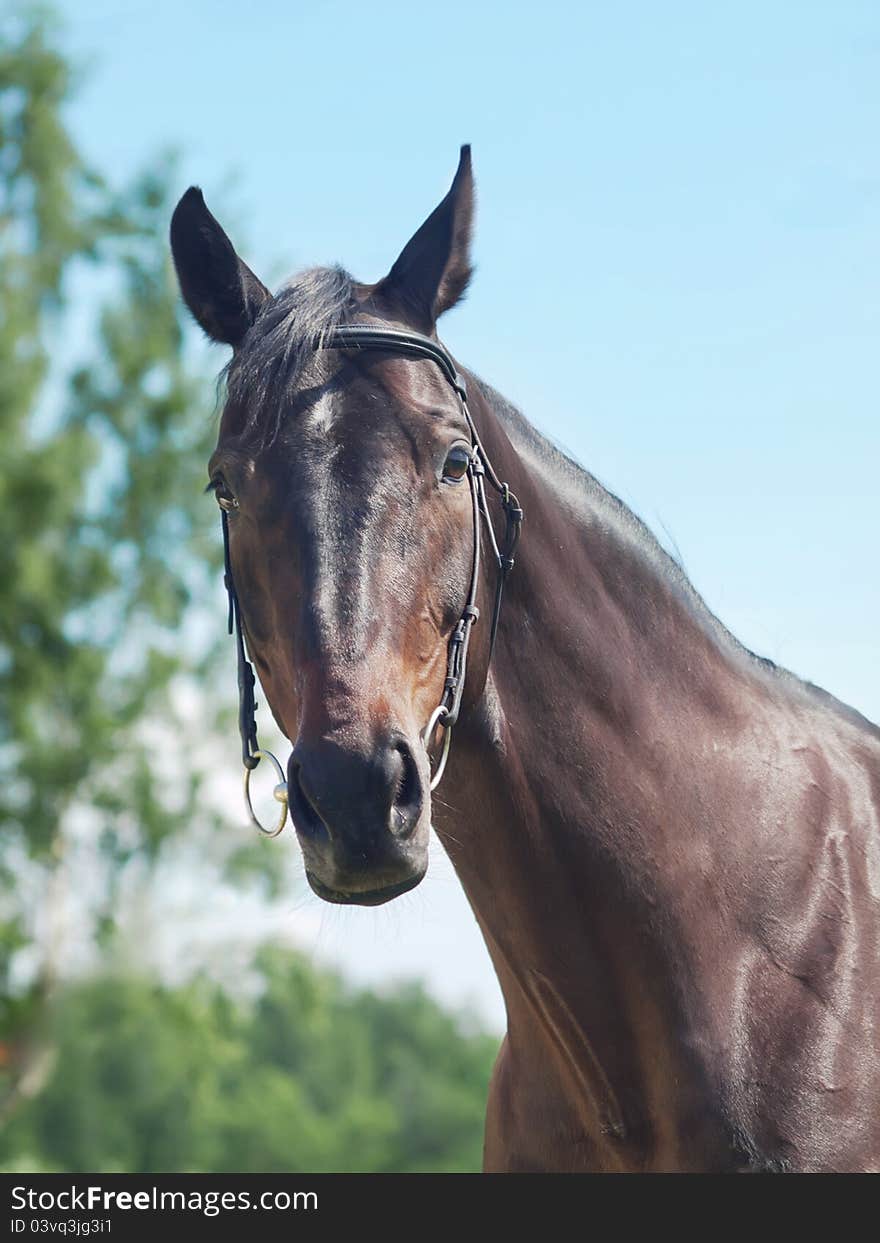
{"x": 221, "y": 291}
{"x": 434, "y": 268}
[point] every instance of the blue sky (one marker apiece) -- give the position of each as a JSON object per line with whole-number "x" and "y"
{"x": 678, "y": 247}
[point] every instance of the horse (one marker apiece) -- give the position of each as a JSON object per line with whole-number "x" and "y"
{"x": 671, "y": 845}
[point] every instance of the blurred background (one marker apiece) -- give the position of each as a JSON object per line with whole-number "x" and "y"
{"x": 678, "y": 280}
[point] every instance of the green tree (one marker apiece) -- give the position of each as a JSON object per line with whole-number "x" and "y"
{"x": 104, "y": 432}
{"x": 307, "y": 1076}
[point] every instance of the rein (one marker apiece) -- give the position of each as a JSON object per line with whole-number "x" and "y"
{"x": 480, "y": 469}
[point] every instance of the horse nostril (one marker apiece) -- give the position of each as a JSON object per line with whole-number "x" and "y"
{"x": 302, "y": 810}
{"x": 406, "y": 805}
{"x": 355, "y": 797}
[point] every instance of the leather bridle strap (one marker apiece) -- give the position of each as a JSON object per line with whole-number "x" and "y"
{"x": 247, "y": 704}
{"x": 410, "y": 345}
{"x": 396, "y": 341}
{"x": 414, "y": 345}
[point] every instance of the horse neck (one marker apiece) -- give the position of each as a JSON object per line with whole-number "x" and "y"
{"x": 603, "y": 644}
{"x": 605, "y": 668}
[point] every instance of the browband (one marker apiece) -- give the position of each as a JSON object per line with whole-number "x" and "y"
{"x": 400, "y": 341}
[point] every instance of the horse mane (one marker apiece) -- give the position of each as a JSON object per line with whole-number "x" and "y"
{"x": 588, "y": 500}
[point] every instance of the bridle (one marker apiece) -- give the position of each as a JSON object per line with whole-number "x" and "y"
{"x": 480, "y": 469}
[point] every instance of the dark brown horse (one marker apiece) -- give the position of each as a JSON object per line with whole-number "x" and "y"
{"x": 672, "y": 846}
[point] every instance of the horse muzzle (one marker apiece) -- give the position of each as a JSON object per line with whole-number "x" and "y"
{"x": 361, "y": 817}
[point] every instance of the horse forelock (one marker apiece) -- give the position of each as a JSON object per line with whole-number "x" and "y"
{"x": 261, "y": 375}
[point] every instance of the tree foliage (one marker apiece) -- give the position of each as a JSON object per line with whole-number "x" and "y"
{"x": 306, "y": 1076}
{"x": 107, "y": 540}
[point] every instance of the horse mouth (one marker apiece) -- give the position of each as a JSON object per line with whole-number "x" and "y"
{"x": 364, "y": 897}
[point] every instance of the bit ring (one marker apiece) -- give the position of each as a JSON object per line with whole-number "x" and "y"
{"x": 279, "y": 793}
{"x": 428, "y": 733}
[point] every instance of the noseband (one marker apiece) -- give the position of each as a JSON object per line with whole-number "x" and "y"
{"x": 480, "y": 469}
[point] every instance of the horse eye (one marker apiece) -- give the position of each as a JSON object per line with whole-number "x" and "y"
{"x": 457, "y": 461}
{"x": 225, "y": 498}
